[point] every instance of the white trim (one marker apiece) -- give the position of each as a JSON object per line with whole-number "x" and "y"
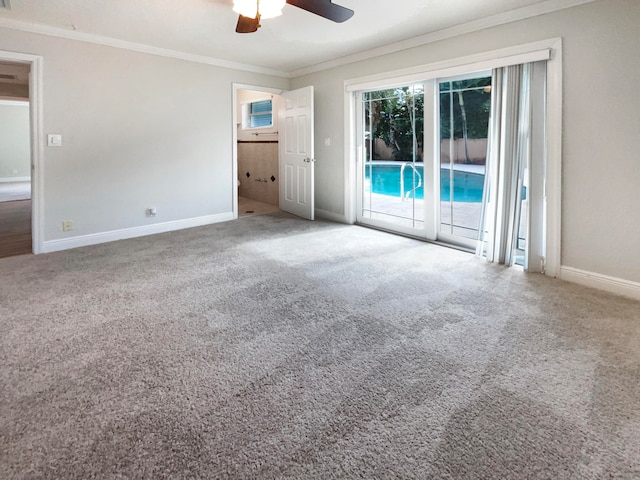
{"x": 619, "y": 286}
{"x": 36, "y": 95}
{"x": 529, "y": 52}
{"x": 234, "y": 150}
{"x": 431, "y": 169}
{"x": 553, "y": 173}
{"x": 134, "y": 232}
{"x": 548, "y": 6}
{"x": 327, "y": 215}
{"x": 7, "y": 102}
{"x": 15, "y": 179}
{"x": 133, "y": 46}
{"x": 350, "y": 159}
{"x": 258, "y": 88}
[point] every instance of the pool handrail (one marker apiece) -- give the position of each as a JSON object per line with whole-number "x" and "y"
{"x": 413, "y": 190}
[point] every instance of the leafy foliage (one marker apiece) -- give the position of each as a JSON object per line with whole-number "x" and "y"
{"x": 470, "y": 98}
{"x": 397, "y": 117}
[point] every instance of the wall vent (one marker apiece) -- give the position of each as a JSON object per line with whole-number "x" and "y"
{"x": 5, "y": 4}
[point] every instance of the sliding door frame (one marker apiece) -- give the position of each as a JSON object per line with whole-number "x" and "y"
{"x": 427, "y": 219}
{"x": 449, "y": 238}
{"x": 549, "y": 50}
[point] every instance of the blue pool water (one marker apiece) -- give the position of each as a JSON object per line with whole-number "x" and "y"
{"x": 385, "y": 180}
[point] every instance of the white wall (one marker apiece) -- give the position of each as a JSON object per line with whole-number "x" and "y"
{"x": 138, "y": 130}
{"x": 601, "y": 179}
{"x": 15, "y": 149}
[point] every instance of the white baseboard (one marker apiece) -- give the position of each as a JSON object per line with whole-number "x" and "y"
{"x": 334, "y": 217}
{"x": 626, "y": 288}
{"x": 103, "y": 237}
{"x": 14, "y": 179}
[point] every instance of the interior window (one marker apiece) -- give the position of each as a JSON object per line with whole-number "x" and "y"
{"x": 260, "y": 114}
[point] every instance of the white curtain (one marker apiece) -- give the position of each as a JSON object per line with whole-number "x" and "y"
{"x": 508, "y": 152}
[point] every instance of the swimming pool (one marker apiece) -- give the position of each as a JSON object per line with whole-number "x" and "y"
{"x": 384, "y": 178}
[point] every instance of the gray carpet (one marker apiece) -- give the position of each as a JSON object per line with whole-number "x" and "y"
{"x": 271, "y": 347}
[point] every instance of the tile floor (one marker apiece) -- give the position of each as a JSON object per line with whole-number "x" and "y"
{"x": 248, "y": 207}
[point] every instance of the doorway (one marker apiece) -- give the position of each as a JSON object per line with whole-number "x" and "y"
{"x": 15, "y": 160}
{"x": 273, "y": 148}
{"x": 256, "y": 144}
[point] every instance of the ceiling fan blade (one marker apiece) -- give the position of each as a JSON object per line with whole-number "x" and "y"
{"x": 324, "y": 8}
{"x": 247, "y": 24}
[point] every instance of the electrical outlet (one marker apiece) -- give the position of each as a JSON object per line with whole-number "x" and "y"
{"x": 67, "y": 226}
{"x": 54, "y": 140}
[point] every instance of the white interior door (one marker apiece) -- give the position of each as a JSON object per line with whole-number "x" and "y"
{"x": 296, "y": 153}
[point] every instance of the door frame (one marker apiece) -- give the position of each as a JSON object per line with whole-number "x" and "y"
{"x": 549, "y": 50}
{"x": 234, "y": 135}
{"x": 35, "y": 63}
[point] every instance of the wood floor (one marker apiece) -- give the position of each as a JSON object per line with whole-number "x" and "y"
{"x": 15, "y": 228}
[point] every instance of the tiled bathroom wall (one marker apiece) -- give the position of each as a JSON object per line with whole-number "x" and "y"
{"x": 258, "y": 171}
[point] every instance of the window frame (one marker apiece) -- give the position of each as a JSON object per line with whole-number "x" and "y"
{"x": 248, "y": 115}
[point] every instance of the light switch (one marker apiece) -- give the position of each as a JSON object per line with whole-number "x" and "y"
{"x": 54, "y": 140}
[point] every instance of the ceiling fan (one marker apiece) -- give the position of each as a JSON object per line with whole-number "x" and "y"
{"x": 251, "y": 11}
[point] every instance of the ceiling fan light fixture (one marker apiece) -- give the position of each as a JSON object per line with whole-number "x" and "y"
{"x": 266, "y": 8}
{"x": 246, "y": 8}
{"x": 271, "y": 8}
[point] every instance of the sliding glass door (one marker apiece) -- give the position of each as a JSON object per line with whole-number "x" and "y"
{"x": 464, "y": 110}
{"x": 453, "y": 155}
{"x": 422, "y": 161}
{"x": 391, "y": 177}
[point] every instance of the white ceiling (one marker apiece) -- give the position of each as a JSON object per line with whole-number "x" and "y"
{"x": 297, "y": 40}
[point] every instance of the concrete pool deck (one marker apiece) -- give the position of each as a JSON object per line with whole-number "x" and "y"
{"x": 392, "y": 209}
{"x": 466, "y": 215}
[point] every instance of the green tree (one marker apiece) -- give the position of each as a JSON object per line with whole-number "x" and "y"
{"x": 466, "y": 104}
{"x": 397, "y": 117}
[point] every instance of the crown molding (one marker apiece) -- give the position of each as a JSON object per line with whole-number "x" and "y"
{"x": 542, "y": 8}
{"x": 133, "y": 46}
